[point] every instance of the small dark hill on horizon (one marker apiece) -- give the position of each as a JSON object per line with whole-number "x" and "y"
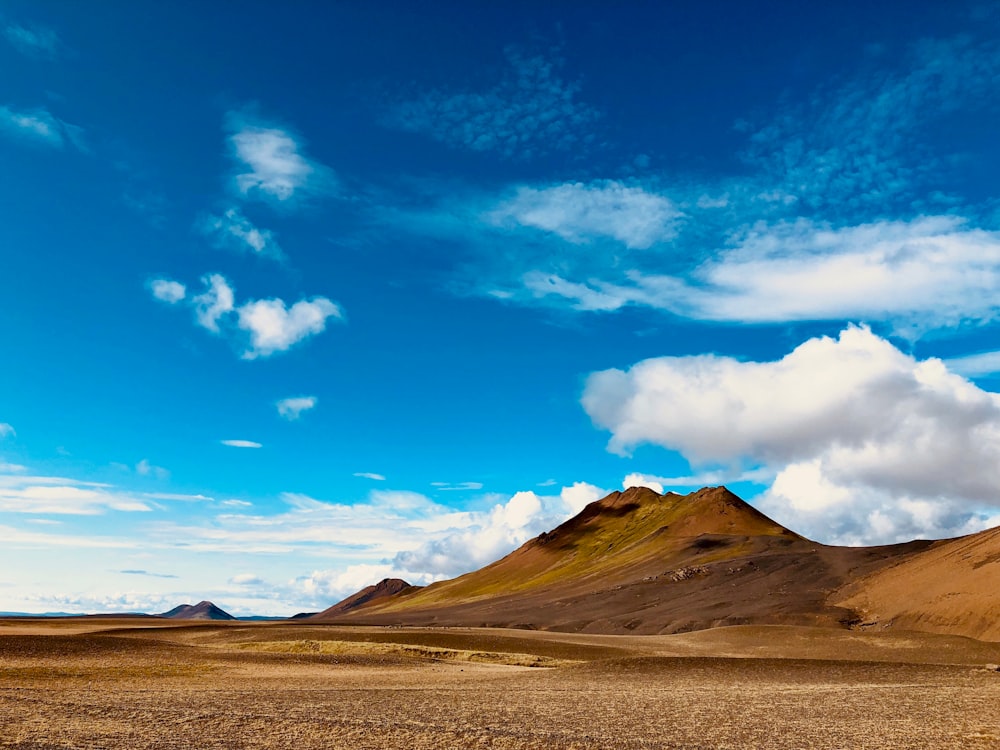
{"x": 204, "y": 610}
{"x": 640, "y": 562}
{"x": 387, "y": 587}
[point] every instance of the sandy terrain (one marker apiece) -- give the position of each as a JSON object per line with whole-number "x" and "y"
{"x": 102, "y": 684}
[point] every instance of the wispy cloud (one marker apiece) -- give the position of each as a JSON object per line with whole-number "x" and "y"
{"x": 975, "y": 365}
{"x": 33, "y": 41}
{"x": 862, "y": 143}
{"x": 579, "y": 213}
{"x": 216, "y": 301}
{"x": 147, "y": 573}
{"x": 457, "y": 486}
{"x": 235, "y": 231}
{"x": 145, "y": 469}
{"x": 851, "y": 428}
{"x": 274, "y": 166}
{"x": 370, "y": 475}
{"x": 292, "y": 408}
{"x": 39, "y": 126}
{"x": 531, "y": 111}
{"x": 241, "y": 443}
{"x": 6, "y": 430}
{"x": 932, "y": 272}
{"x": 63, "y": 496}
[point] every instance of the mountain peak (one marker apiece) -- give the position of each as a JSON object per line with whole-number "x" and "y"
{"x": 387, "y": 587}
{"x": 203, "y": 610}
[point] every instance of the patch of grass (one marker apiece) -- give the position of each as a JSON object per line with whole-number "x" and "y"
{"x": 428, "y": 653}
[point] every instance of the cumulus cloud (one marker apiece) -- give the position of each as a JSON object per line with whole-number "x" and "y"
{"x": 491, "y": 535}
{"x": 235, "y": 231}
{"x": 530, "y": 112}
{"x": 292, "y": 408}
{"x": 33, "y": 41}
{"x": 275, "y": 167}
{"x": 273, "y": 327}
{"x": 167, "y": 290}
{"x": 853, "y": 411}
{"x": 269, "y": 326}
{"x": 580, "y": 213}
{"x": 241, "y": 444}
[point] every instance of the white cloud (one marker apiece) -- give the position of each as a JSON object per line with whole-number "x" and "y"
{"x": 270, "y": 324}
{"x": 579, "y": 495}
{"x": 277, "y": 168}
{"x": 168, "y": 291}
{"x": 34, "y": 41}
{"x": 369, "y": 475}
{"x": 292, "y": 408}
{"x": 485, "y": 537}
{"x": 6, "y": 430}
{"x": 234, "y": 230}
{"x": 643, "y": 480}
{"x": 974, "y": 365}
{"x": 63, "y": 496}
{"x": 855, "y": 411}
{"x": 273, "y": 327}
{"x": 581, "y": 213}
{"x": 931, "y": 272}
{"x": 214, "y": 302}
{"x": 177, "y": 496}
{"x": 241, "y": 443}
{"x": 457, "y": 486}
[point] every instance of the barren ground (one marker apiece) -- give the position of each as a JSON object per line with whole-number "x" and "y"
{"x": 111, "y": 684}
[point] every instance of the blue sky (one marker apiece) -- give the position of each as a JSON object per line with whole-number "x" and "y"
{"x": 296, "y": 299}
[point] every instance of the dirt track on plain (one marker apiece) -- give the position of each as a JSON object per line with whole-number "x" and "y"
{"x": 263, "y": 686}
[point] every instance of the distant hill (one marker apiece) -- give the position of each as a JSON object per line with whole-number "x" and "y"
{"x": 201, "y": 611}
{"x": 637, "y": 561}
{"x": 387, "y": 587}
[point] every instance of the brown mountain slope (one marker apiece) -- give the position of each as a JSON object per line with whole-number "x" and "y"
{"x": 640, "y": 562}
{"x": 369, "y": 594}
{"x": 952, "y": 587}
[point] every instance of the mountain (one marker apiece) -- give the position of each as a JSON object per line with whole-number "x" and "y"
{"x": 953, "y": 587}
{"x": 200, "y": 611}
{"x": 387, "y": 587}
{"x": 636, "y": 561}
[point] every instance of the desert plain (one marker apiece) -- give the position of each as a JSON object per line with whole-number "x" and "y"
{"x": 136, "y": 683}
